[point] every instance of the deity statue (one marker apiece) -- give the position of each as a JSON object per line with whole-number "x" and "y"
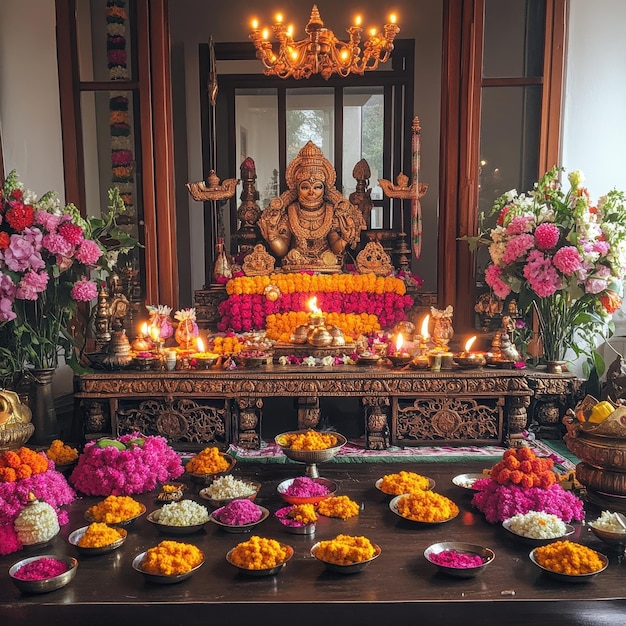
{"x": 310, "y": 226}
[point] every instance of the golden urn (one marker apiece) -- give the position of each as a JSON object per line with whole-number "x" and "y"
{"x": 15, "y": 421}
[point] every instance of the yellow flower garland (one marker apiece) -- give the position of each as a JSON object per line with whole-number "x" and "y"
{"x": 316, "y": 283}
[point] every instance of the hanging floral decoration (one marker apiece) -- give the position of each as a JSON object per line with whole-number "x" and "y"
{"x": 119, "y": 118}
{"x": 358, "y": 303}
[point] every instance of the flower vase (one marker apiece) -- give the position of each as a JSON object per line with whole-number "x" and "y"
{"x": 41, "y": 402}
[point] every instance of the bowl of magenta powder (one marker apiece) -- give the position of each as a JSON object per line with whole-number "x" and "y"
{"x": 44, "y": 573}
{"x": 305, "y": 490}
{"x": 462, "y": 560}
{"x": 239, "y": 516}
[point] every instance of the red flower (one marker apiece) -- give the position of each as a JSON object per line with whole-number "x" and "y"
{"x": 4, "y": 240}
{"x": 20, "y": 216}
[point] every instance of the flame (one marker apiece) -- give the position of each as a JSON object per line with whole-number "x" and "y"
{"x": 424, "y": 332}
{"x": 199, "y": 344}
{"x": 399, "y": 342}
{"x": 144, "y": 329}
{"x": 469, "y": 343}
{"x": 312, "y": 304}
{"x": 155, "y": 333}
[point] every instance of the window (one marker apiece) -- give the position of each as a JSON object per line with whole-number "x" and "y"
{"x": 363, "y": 117}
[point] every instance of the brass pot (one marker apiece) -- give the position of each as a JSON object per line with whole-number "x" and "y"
{"x": 300, "y": 334}
{"x": 320, "y": 337}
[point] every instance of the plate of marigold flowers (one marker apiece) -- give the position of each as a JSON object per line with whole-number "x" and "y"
{"x": 568, "y": 561}
{"x": 424, "y": 507}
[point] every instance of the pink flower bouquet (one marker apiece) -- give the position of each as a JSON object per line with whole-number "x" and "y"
{"x": 49, "y": 486}
{"x": 145, "y": 462}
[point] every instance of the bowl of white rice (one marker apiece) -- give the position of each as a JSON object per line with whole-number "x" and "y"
{"x": 225, "y": 489}
{"x": 608, "y": 528}
{"x": 179, "y": 518}
{"x": 537, "y": 528}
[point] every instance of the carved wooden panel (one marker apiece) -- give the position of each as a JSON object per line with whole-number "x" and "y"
{"x": 177, "y": 419}
{"x": 448, "y": 419}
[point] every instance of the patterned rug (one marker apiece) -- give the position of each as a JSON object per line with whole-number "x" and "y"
{"x": 354, "y": 452}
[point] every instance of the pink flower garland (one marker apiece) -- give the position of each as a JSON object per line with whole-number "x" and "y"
{"x": 49, "y": 486}
{"x": 244, "y": 312}
{"x": 499, "y": 502}
{"x": 109, "y": 471}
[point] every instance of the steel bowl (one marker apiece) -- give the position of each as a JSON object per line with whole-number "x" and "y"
{"x": 393, "y": 505}
{"x": 241, "y": 528}
{"x": 487, "y": 555}
{"x": 570, "y": 578}
{"x": 48, "y": 584}
{"x": 207, "y": 478}
{"x": 162, "y": 579}
{"x": 76, "y": 536}
{"x": 351, "y": 568}
{"x": 220, "y": 502}
{"x": 532, "y": 541}
{"x": 310, "y": 456}
{"x": 285, "y": 484}
{"x": 291, "y": 526}
{"x": 270, "y": 571}
{"x": 609, "y": 537}
{"x": 167, "y": 529}
{"x": 126, "y": 522}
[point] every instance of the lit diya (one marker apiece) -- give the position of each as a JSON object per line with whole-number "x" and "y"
{"x": 204, "y": 360}
{"x": 468, "y": 359}
{"x": 400, "y": 356}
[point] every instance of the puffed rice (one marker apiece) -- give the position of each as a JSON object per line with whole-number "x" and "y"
{"x": 608, "y": 521}
{"x": 537, "y": 525}
{"x": 226, "y": 487}
{"x": 182, "y": 513}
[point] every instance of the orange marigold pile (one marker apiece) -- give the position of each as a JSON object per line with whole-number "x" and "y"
{"x": 21, "y": 463}
{"x": 208, "y": 461}
{"x": 338, "y": 506}
{"x": 309, "y": 440}
{"x": 115, "y": 509}
{"x": 521, "y": 466}
{"x": 169, "y": 558}
{"x": 567, "y": 557}
{"x": 61, "y": 453}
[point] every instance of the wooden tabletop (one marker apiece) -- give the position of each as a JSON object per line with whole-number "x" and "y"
{"x": 399, "y": 585}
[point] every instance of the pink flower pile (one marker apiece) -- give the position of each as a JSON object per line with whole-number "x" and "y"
{"x": 49, "y": 486}
{"x": 500, "y": 502}
{"x": 140, "y": 468}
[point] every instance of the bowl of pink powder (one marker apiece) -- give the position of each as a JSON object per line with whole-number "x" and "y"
{"x": 458, "y": 559}
{"x": 239, "y": 516}
{"x": 44, "y": 573}
{"x": 305, "y": 490}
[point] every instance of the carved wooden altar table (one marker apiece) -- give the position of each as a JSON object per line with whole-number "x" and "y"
{"x": 194, "y": 408}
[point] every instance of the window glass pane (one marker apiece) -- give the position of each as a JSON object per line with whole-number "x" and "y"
{"x": 256, "y": 121}
{"x": 110, "y": 154}
{"x": 509, "y": 150}
{"x": 363, "y": 127}
{"x": 513, "y": 38}
{"x": 310, "y": 116}
{"x": 104, "y": 40}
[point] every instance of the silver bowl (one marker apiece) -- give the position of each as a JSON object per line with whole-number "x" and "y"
{"x": 466, "y": 481}
{"x": 611, "y": 538}
{"x": 76, "y": 536}
{"x": 161, "y": 579}
{"x": 570, "y": 578}
{"x": 393, "y": 505}
{"x": 310, "y": 457}
{"x": 532, "y": 541}
{"x": 127, "y": 522}
{"x": 167, "y": 529}
{"x": 379, "y": 485}
{"x": 241, "y": 528}
{"x": 352, "y": 568}
{"x": 207, "y": 478}
{"x": 291, "y": 526}
{"x": 285, "y": 484}
{"x": 487, "y": 555}
{"x": 220, "y": 502}
{"x": 48, "y": 584}
{"x": 270, "y": 571}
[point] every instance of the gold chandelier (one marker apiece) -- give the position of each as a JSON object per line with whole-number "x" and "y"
{"x": 322, "y": 53}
